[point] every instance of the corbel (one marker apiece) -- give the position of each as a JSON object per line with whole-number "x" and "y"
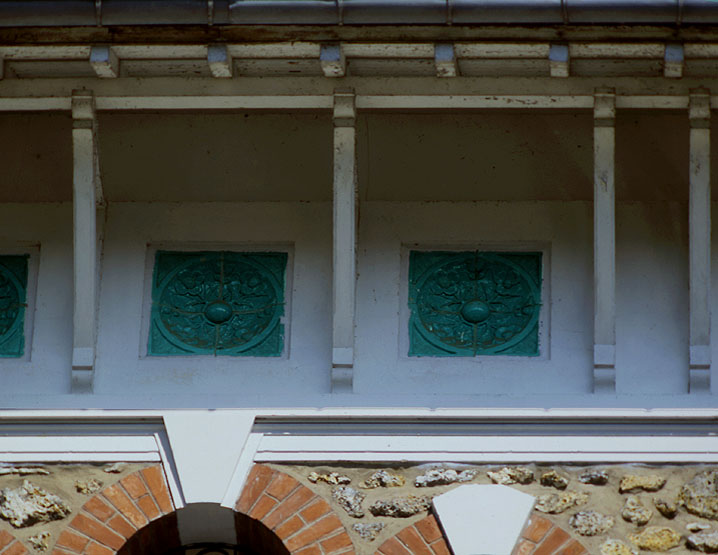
{"x": 104, "y": 62}
{"x": 332, "y": 60}
{"x": 699, "y": 242}
{"x": 604, "y": 242}
{"x": 344, "y": 241}
{"x": 87, "y": 194}
{"x": 220, "y": 61}
{"x": 445, "y": 60}
{"x": 559, "y": 60}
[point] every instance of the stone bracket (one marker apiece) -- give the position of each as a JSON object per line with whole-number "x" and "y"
{"x": 344, "y": 241}
{"x": 445, "y": 60}
{"x": 559, "y": 60}
{"x": 604, "y": 242}
{"x": 332, "y": 60}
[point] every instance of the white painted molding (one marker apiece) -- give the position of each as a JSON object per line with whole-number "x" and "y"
{"x": 220, "y": 61}
{"x": 85, "y": 197}
{"x": 491, "y": 526}
{"x": 332, "y": 60}
{"x": 559, "y": 60}
{"x": 699, "y": 233}
{"x": 104, "y": 62}
{"x": 241, "y": 471}
{"x": 344, "y": 242}
{"x": 604, "y": 243}
{"x": 486, "y": 449}
{"x": 445, "y": 60}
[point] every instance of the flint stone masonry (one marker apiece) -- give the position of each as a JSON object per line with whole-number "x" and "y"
{"x": 705, "y": 542}
{"x": 368, "y": 531}
{"x": 554, "y": 479}
{"x": 383, "y": 479}
{"x": 616, "y": 547}
{"x": 657, "y": 538}
{"x": 594, "y": 477}
{"x": 22, "y": 470}
{"x": 28, "y": 504}
{"x": 333, "y": 478}
{"x": 88, "y": 487}
{"x": 556, "y": 503}
{"x": 591, "y": 523}
{"x": 442, "y": 477}
{"x": 350, "y": 500}
{"x": 40, "y": 542}
{"x": 700, "y": 495}
{"x": 635, "y": 511}
{"x": 697, "y": 527}
{"x": 401, "y": 507}
{"x": 667, "y": 508}
{"x": 633, "y": 483}
{"x": 489, "y": 526}
{"x": 512, "y": 475}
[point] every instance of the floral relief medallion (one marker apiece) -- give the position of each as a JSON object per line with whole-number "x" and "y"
{"x": 474, "y": 303}
{"x": 218, "y": 303}
{"x": 13, "y": 292}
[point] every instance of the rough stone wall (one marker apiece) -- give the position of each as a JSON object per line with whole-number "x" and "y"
{"x": 606, "y": 509}
{"x": 78, "y": 508}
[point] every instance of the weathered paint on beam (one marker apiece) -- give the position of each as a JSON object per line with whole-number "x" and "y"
{"x": 699, "y": 233}
{"x": 344, "y": 243}
{"x": 604, "y": 243}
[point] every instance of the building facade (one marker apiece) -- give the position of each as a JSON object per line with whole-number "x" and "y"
{"x": 260, "y": 262}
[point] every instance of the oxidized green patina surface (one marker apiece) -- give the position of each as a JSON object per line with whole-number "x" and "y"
{"x": 13, "y": 295}
{"x": 217, "y": 303}
{"x": 474, "y": 303}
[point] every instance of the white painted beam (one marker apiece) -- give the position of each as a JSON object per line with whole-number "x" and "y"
{"x": 699, "y": 232}
{"x": 344, "y": 259}
{"x": 85, "y": 240}
{"x": 445, "y": 60}
{"x": 559, "y": 60}
{"x": 104, "y": 62}
{"x": 333, "y": 61}
{"x": 220, "y": 61}
{"x": 604, "y": 243}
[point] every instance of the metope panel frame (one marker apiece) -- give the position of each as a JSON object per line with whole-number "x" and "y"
{"x": 262, "y": 258}
{"x": 490, "y": 249}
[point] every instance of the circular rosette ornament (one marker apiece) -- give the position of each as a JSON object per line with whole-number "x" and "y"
{"x": 219, "y": 303}
{"x": 469, "y": 304}
{"x": 12, "y": 306}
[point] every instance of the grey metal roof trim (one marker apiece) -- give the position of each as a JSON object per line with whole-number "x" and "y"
{"x": 19, "y": 13}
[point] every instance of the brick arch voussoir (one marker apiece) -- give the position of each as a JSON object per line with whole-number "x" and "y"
{"x": 110, "y": 518}
{"x": 304, "y": 522}
{"x": 424, "y": 537}
{"x": 10, "y": 545}
{"x": 544, "y": 537}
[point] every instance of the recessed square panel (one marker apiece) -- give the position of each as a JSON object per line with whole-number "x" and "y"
{"x": 13, "y": 302}
{"x": 217, "y": 303}
{"x": 472, "y": 303}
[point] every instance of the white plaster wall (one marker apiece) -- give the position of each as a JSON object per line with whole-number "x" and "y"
{"x": 50, "y": 227}
{"x": 131, "y": 227}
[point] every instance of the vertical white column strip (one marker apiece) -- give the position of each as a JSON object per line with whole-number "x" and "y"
{"x": 85, "y": 240}
{"x": 604, "y": 243}
{"x": 344, "y": 260}
{"x": 699, "y": 232}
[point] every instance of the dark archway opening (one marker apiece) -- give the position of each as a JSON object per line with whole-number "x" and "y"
{"x": 161, "y": 537}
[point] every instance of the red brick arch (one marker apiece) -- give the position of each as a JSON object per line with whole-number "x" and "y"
{"x": 539, "y": 537}
{"x": 112, "y": 517}
{"x": 301, "y": 519}
{"x": 10, "y": 545}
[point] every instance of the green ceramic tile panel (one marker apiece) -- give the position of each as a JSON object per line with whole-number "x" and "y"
{"x": 217, "y": 303}
{"x": 474, "y": 303}
{"x": 13, "y": 297}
